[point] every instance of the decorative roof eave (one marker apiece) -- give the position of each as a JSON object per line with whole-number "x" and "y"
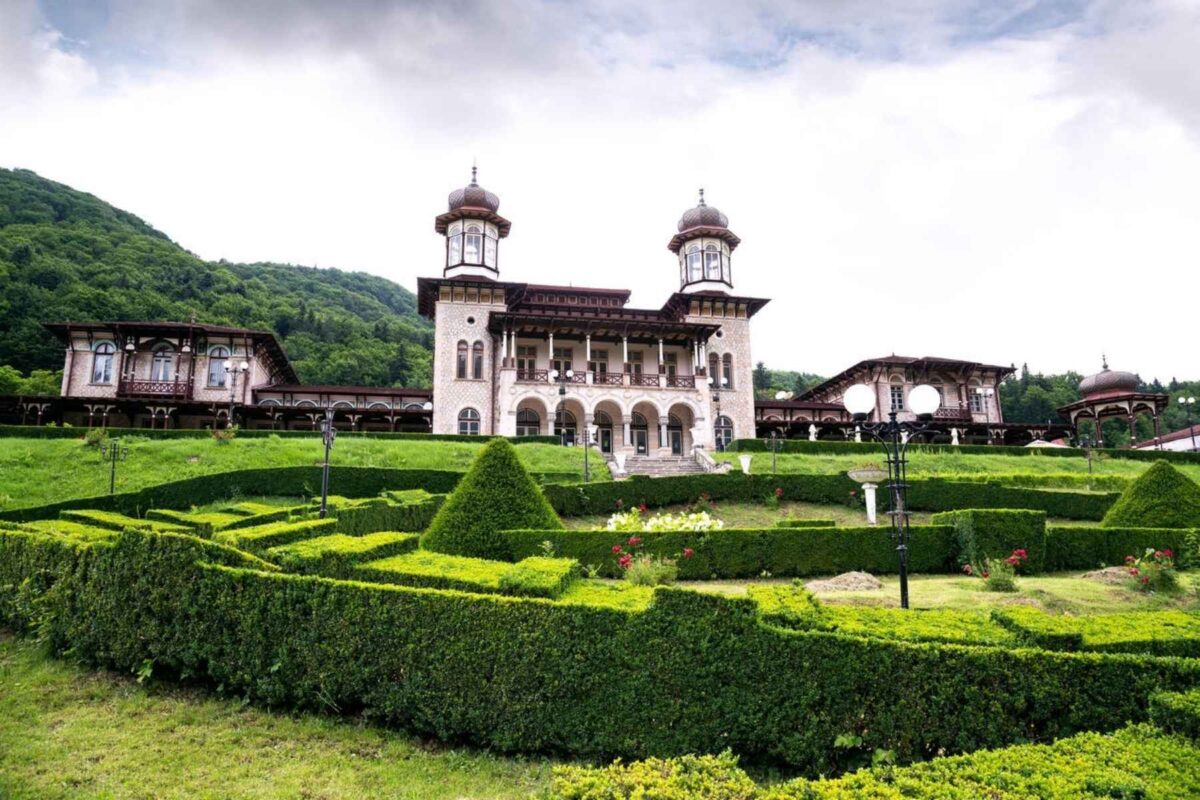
{"x": 442, "y": 221}
{"x": 1158, "y": 401}
{"x": 428, "y": 290}
{"x": 276, "y": 356}
{"x": 679, "y": 304}
{"x": 320, "y": 388}
{"x": 798, "y": 405}
{"x": 703, "y": 230}
{"x": 916, "y": 365}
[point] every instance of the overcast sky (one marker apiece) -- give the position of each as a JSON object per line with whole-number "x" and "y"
{"x": 1001, "y": 181}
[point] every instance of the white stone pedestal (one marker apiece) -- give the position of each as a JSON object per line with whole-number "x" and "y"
{"x": 745, "y": 463}
{"x": 869, "y": 496}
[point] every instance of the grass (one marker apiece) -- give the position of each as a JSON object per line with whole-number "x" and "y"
{"x": 69, "y": 733}
{"x": 934, "y": 464}
{"x": 39, "y": 471}
{"x": 1058, "y": 593}
{"x": 754, "y": 515}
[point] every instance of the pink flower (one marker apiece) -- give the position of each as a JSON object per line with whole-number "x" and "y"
{"x": 1169, "y": 553}
{"x": 779, "y": 491}
{"x": 1133, "y": 571}
{"x": 634, "y": 541}
{"x": 1145, "y": 581}
{"x": 1129, "y": 559}
{"x": 624, "y": 561}
{"x": 967, "y": 569}
{"x": 688, "y": 552}
{"x": 616, "y": 549}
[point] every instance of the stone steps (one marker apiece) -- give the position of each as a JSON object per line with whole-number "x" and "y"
{"x": 659, "y": 467}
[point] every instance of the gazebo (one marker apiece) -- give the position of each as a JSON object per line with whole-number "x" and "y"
{"x": 1112, "y": 393}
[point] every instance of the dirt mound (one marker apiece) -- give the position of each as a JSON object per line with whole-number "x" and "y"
{"x": 846, "y": 582}
{"x": 1113, "y": 575}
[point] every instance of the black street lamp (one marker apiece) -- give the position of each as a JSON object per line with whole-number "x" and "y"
{"x": 894, "y": 436}
{"x": 774, "y": 449}
{"x": 328, "y": 434}
{"x": 1187, "y": 403}
{"x": 232, "y": 369}
{"x": 112, "y": 452}
{"x": 1086, "y": 443}
{"x": 561, "y": 379}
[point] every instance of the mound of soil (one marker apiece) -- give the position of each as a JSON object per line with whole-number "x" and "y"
{"x": 1112, "y": 575}
{"x": 846, "y": 582}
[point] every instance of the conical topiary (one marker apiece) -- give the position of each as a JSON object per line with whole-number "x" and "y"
{"x": 1161, "y": 497}
{"x": 495, "y": 495}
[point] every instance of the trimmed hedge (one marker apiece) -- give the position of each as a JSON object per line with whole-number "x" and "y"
{"x": 748, "y": 553}
{"x": 805, "y": 523}
{"x": 54, "y": 432}
{"x": 996, "y": 533}
{"x": 118, "y": 522}
{"x": 1090, "y": 547}
{"x": 692, "y": 673}
{"x": 924, "y": 494}
{"x": 208, "y": 522}
{"x": 62, "y": 527}
{"x": 495, "y": 494}
{"x": 336, "y": 556}
{"x": 356, "y": 517}
{"x": 1161, "y": 497}
{"x": 803, "y": 446}
{"x": 1177, "y": 712}
{"x": 531, "y": 577}
{"x": 274, "y": 534}
{"x": 1160, "y": 633}
{"x": 1135, "y": 763}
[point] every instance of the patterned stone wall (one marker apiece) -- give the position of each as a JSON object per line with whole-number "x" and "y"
{"x": 456, "y": 321}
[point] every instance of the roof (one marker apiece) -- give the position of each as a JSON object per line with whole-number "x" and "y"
{"x": 808, "y": 405}
{"x": 275, "y": 353}
{"x": 1173, "y": 436}
{"x": 322, "y": 388}
{"x": 923, "y": 364}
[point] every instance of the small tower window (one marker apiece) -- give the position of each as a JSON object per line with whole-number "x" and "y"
{"x": 477, "y": 360}
{"x": 473, "y": 244}
{"x": 712, "y": 262}
{"x": 461, "y": 368}
{"x": 727, "y": 377}
{"x": 693, "y": 263}
{"x": 454, "y": 244}
{"x": 489, "y": 246}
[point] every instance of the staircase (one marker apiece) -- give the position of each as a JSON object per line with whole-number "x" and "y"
{"x": 659, "y": 467}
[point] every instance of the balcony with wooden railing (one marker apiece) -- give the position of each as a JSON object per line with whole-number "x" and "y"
{"x": 650, "y": 380}
{"x": 164, "y": 390}
{"x": 949, "y": 414}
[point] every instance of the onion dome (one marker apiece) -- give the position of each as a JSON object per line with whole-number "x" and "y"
{"x": 703, "y": 215}
{"x": 473, "y": 196}
{"x": 1108, "y": 382}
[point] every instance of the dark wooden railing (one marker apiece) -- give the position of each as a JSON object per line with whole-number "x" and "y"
{"x": 953, "y": 414}
{"x": 533, "y": 375}
{"x": 682, "y": 382}
{"x": 643, "y": 379}
{"x": 608, "y": 378}
{"x": 139, "y": 388}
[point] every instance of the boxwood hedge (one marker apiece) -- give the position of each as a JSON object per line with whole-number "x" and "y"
{"x": 835, "y": 447}
{"x": 996, "y": 533}
{"x": 337, "y": 555}
{"x": 1177, "y": 712}
{"x": 1162, "y": 633}
{"x": 1092, "y": 546}
{"x": 693, "y": 673}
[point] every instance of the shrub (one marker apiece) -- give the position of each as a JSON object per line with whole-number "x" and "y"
{"x": 536, "y": 576}
{"x": 634, "y": 521}
{"x": 117, "y": 522}
{"x": 1177, "y": 712}
{"x": 1154, "y": 571}
{"x": 224, "y": 435}
{"x": 96, "y": 437}
{"x": 708, "y": 777}
{"x": 805, "y": 523}
{"x": 336, "y": 556}
{"x": 1160, "y": 633}
{"x": 356, "y": 517}
{"x": 274, "y": 534}
{"x": 1080, "y": 547}
{"x": 495, "y": 494}
{"x": 996, "y": 533}
{"x": 1161, "y": 497}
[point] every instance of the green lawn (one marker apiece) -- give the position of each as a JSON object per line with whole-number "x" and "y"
{"x": 932, "y": 464}
{"x": 1060, "y": 593}
{"x": 70, "y": 733}
{"x": 753, "y": 515}
{"x": 38, "y": 471}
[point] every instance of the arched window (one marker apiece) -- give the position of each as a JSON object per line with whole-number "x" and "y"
{"x": 468, "y": 422}
{"x": 727, "y": 374}
{"x": 528, "y": 422}
{"x": 695, "y": 271}
{"x": 489, "y": 246}
{"x": 723, "y": 432}
{"x": 714, "y": 370}
{"x": 477, "y": 360}
{"x": 896, "y": 393}
{"x": 162, "y": 366}
{"x": 602, "y": 419}
{"x": 712, "y": 262}
{"x": 461, "y": 370}
{"x": 454, "y": 244}
{"x": 102, "y": 362}
{"x": 564, "y": 426}
{"x": 473, "y": 244}
{"x": 216, "y": 366}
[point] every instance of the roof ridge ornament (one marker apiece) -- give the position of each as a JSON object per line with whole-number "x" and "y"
{"x": 701, "y": 204}
{"x": 1104, "y": 361}
{"x": 474, "y": 172}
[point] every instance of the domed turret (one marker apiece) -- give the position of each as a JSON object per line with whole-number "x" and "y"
{"x": 1108, "y": 382}
{"x": 473, "y": 231}
{"x": 704, "y": 245}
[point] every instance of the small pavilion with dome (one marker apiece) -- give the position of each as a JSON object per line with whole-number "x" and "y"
{"x": 1113, "y": 393}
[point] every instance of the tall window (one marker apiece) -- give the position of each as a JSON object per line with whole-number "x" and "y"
{"x": 671, "y": 365}
{"x": 712, "y": 262}
{"x": 635, "y": 363}
{"x": 460, "y": 370}
{"x": 528, "y": 422}
{"x": 468, "y": 422}
{"x": 714, "y": 369}
{"x": 564, "y": 426}
{"x": 526, "y": 361}
{"x": 471, "y": 242}
{"x": 477, "y": 360}
{"x": 727, "y": 374}
{"x": 163, "y": 363}
{"x": 216, "y": 367}
{"x": 599, "y": 364}
{"x": 976, "y": 399}
{"x": 723, "y": 431}
{"x": 694, "y": 267}
{"x": 563, "y": 359}
{"x": 102, "y": 362}
{"x": 454, "y": 245}
{"x": 897, "y": 396}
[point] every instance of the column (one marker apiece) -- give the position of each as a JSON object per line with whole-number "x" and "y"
{"x": 67, "y": 368}
{"x": 587, "y": 344}
{"x": 550, "y": 363}
{"x": 662, "y": 433}
{"x": 626, "y": 439}
{"x": 661, "y": 357}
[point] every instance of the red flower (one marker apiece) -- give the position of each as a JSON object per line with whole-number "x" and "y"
{"x": 1169, "y": 553}
{"x": 1133, "y": 571}
{"x": 1145, "y": 581}
{"x": 985, "y": 574}
{"x": 1129, "y": 559}
{"x": 624, "y": 561}
{"x": 1013, "y": 560}
{"x": 616, "y": 548}
{"x": 1020, "y": 553}
{"x": 779, "y": 491}
{"x": 688, "y": 552}
{"x": 634, "y": 541}
{"x": 642, "y": 507}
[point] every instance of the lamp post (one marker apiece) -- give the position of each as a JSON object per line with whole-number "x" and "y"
{"x": 589, "y": 431}
{"x": 112, "y": 452}
{"x": 716, "y": 398}
{"x": 561, "y": 379}
{"x": 232, "y": 370}
{"x": 895, "y": 436}
{"x": 774, "y": 449}
{"x": 1187, "y": 403}
{"x": 1086, "y": 443}
{"x": 328, "y": 434}
{"x": 985, "y": 396}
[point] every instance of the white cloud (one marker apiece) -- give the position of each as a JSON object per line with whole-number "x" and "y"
{"x": 1024, "y": 197}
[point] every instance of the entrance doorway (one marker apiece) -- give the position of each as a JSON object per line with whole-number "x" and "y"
{"x": 640, "y": 441}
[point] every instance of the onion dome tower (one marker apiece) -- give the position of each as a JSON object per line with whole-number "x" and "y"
{"x": 1107, "y": 383}
{"x": 704, "y": 244}
{"x": 473, "y": 231}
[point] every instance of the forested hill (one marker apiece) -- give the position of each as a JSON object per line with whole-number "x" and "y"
{"x": 67, "y": 255}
